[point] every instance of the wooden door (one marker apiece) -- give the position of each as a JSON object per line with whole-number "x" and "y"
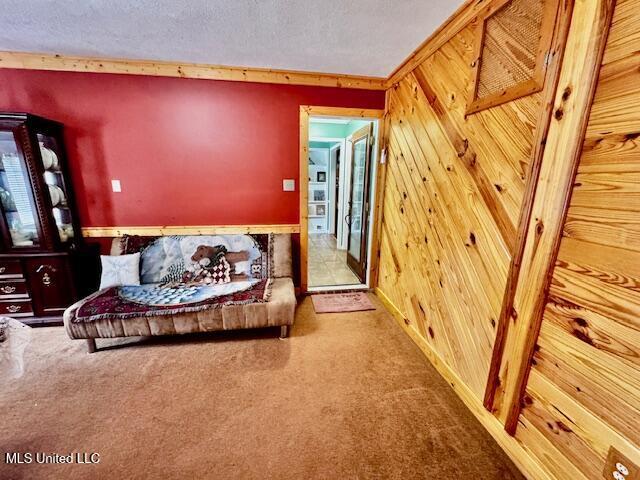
{"x": 358, "y": 209}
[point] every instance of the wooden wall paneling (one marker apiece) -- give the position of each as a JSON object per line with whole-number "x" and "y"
{"x": 439, "y": 208}
{"x": 582, "y": 268}
{"x": 498, "y": 140}
{"x": 621, "y": 228}
{"x": 545, "y": 452}
{"x": 66, "y": 63}
{"x": 579, "y": 402}
{"x": 587, "y": 363}
{"x": 423, "y": 233}
{"x": 608, "y": 385}
{"x": 585, "y": 48}
{"x": 556, "y": 414}
{"x": 469, "y": 172}
{"x": 581, "y": 395}
{"x": 410, "y": 272}
{"x": 463, "y": 216}
{"x": 531, "y": 177}
{"x": 610, "y": 157}
{"x": 416, "y": 133}
{"x": 578, "y": 281}
{"x": 470, "y": 161}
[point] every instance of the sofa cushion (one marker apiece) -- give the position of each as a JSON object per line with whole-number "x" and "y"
{"x": 120, "y": 270}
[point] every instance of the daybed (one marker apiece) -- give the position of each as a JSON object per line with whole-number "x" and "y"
{"x": 260, "y": 293}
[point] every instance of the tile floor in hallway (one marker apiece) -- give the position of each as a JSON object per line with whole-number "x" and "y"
{"x": 328, "y": 265}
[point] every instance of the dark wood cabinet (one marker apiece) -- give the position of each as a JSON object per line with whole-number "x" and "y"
{"x": 42, "y": 256}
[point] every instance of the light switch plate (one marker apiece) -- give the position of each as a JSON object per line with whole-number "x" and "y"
{"x": 115, "y": 186}
{"x": 288, "y": 185}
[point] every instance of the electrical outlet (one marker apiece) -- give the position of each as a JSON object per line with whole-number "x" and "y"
{"x": 115, "y": 186}
{"x": 619, "y": 467}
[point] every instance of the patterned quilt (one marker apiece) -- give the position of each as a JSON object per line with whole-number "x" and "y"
{"x": 122, "y": 303}
{"x": 176, "y": 276}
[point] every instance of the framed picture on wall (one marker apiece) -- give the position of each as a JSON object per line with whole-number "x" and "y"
{"x": 322, "y": 177}
{"x": 319, "y": 196}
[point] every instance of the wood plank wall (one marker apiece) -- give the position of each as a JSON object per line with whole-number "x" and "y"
{"x": 455, "y": 189}
{"x": 583, "y": 393}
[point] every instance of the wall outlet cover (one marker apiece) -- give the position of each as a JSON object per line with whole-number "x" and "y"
{"x": 620, "y": 467}
{"x": 115, "y": 186}
{"x": 288, "y": 185}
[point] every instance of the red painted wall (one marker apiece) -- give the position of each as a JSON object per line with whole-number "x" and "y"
{"x": 188, "y": 152}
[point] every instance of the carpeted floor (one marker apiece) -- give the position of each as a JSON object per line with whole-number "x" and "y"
{"x": 348, "y": 396}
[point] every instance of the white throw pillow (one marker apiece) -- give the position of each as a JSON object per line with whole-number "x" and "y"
{"x": 120, "y": 270}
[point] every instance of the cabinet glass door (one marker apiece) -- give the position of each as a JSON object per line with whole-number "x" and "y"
{"x": 16, "y": 195}
{"x": 57, "y": 190}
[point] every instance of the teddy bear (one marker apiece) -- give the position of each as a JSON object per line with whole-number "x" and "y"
{"x": 206, "y": 266}
{"x": 206, "y": 255}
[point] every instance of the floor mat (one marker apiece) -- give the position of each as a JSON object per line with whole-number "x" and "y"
{"x": 341, "y": 302}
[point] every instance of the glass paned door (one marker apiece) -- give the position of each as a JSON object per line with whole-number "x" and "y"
{"x": 16, "y": 195}
{"x": 359, "y": 202}
{"x": 57, "y": 190}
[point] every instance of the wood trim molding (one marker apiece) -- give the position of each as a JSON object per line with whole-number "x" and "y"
{"x": 590, "y": 24}
{"x": 465, "y": 14}
{"x": 313, "y": 111}
{"x": 153, "y": 231}
{"x": 562, "y": 25}
{"x": 44, "y": 61}
{"x": 303, "y": 185}
{"x": 527, "y": 463}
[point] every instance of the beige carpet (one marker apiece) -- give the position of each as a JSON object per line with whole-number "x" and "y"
{"x": 348, "y": 396}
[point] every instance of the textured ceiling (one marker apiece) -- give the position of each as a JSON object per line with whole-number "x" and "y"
{"x": 367, "y": 37}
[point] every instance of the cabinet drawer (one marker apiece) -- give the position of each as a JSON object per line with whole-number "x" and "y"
{"x": 16, "y": 308}
{"x": 10, "y": 268}
{"x": 13, "y": 289}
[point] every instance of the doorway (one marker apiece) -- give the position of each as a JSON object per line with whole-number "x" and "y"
{"x": 338, "y": 176}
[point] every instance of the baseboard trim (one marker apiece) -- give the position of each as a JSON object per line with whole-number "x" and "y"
{"x": 154, "y": 231}
{"x": 527, "y": 464}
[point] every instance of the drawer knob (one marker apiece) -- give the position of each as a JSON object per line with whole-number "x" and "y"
{"x": 8, "y": 289}
{"x": 14, "y": 308}
{"x": 2, "y": 269}
{"x": 46, "y": 279}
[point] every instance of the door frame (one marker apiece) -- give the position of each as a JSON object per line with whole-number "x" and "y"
{"x": 307, "y": 111}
